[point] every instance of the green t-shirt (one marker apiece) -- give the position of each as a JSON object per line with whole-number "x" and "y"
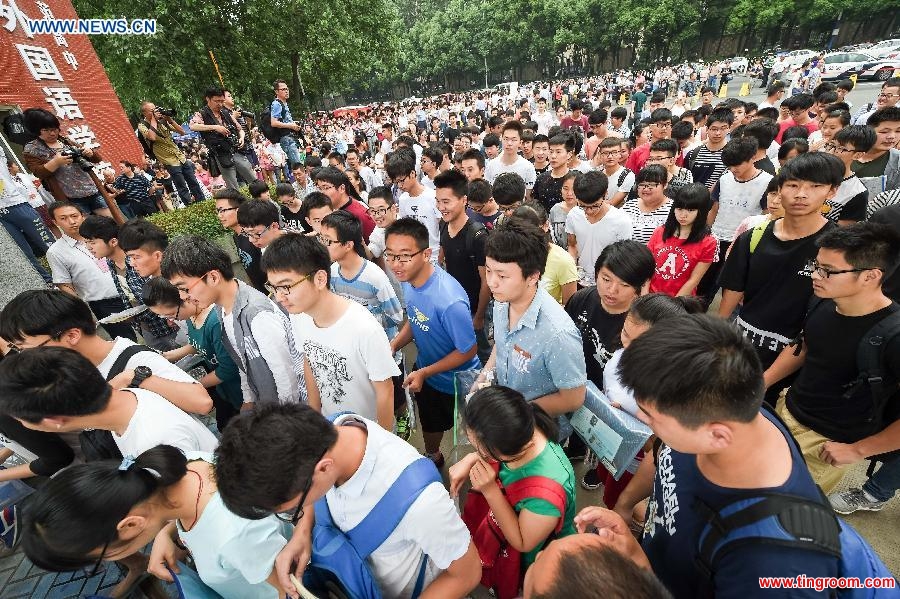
{"x": 551, "y": 463}
{"x": 640, "y": 98}
{"x": 873, "y": 168}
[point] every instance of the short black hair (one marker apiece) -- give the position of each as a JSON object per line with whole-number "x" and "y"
{"x": 519, "y": 243}
{"x": 235, "y": 198}
{"x": 794, "y": 143}
{"x": 382, "y": 193}
{"x": 682, "y": 130}
{"x": 195, "y": 256}
{"x": 775, "y": 87}
{"x": 257, "y": 212}
{"x": 284, "y": 189}
{"x": 629, "y": 260}
{"x": 619, "y": 112}
{"x": 668, "y": 145}
{"x": 804, "y": 101}
{"x": 509, "y": 188}
{"x": 36, "y": 119}
{"x": 739, "y": 150}
{"x": 45, "y": 312}
{"x": 795, "y": 132}
{"x": 763, "y": 131}
{"x": 861, "y": 137}
{"x": 348, "y": 228}
{"x": 473, "y": 154}
{"x": 301, "y": 254}
{"x": 52, "y": 208}
{"x": 842, "y": 115}
{"x": 825, "y": 87}
{"x": 51, "y": 381}
{"x": 95, "y": 226}
{"x": 158, "y": 291}
{"x": 817, "y": 167}
{"x": 590, "y": 187}
{"x": 400, "y": 164}
{"x": 889, "y": 114}
{"x": 720, "y": 115}
{"x": 769, "y": 112}
{"x": 565, "y": 139}
{"x": 864, "y": 245}
{"x": 652, "y": 173}
{"x": 140, "y": 234}
{"x": 453, "y": 180}
{"x": 845, "y": 84}
{"x": 513, "y": 125}
{"x": 257, "y": 188}
{"x": 315, "y": 199}
{"x": 597, "y": 117}
{"x": 479, "y": 191}
{"x": 490, "y": 141}
{"x": 411, "y": 228}
{"x": 661, "y": 115}
{"x": 697, "y": 369}
{"x": 294, "y": 436}
{"x": 337, "y": 156}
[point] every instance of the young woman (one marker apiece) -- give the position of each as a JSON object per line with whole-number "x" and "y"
{"x": 683, "y": 247}
{"x": 205, "y": 334}
{"x": 358, "y": 184}
{"x": 514, "y": 439}
{"x": 108, "y": 510}
{"x": 560, "y": 277}
{"x": 560, "y": 210}
{"x": 651, "y": 207}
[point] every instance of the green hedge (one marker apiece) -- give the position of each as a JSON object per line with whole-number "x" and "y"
{"x": 196, "y": 219}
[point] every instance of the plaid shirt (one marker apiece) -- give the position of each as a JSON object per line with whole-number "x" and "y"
{"x": 158, "y": 326}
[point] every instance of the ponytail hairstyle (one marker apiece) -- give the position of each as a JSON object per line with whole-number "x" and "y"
{"x": 535, "y": 214}
{"x": 653, "y": 307}
{"x": 78, "y": 511}
{"x": 504, "y": 423}
{"x": 693, "y": 196}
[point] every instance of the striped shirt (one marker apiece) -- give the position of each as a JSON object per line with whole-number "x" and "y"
{"x": 705, "y": 165}
{"x": 371, "y": 288}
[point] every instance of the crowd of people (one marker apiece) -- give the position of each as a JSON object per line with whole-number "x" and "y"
{"x": 724, "y": 272}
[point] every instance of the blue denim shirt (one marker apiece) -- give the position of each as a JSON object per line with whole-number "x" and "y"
{"x": 543, "y": 354}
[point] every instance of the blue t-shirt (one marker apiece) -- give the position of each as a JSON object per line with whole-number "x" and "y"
{"x": 674, "y": 525}
{"x": 278, "y": 108}
{"x": 441, "y": 322}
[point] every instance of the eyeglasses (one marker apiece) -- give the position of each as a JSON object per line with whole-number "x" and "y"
{"x": 830, "y": 147}
{"x": 253, "y": 234}
{"x": 611, "y": 153}
{"x": 326, "y": 241}
{"x": 401, "y": 258}
{"x": 284, "y": 289}
{"x": 663, "y": 125}
{"x": 96, "y": 567}
{"x": 224, "y": 210}
{"x": 825, "y": 272}
{"x": 282, "y": 89}
{"x": 658, "y": 158}
{"x": 187, "y": 290}
{"x": 378, "y": 211}
{"x": 590, "y": 207}
{"x": 324, "y": 188}
{"x": 510, "y": 207}
{"x": 476, "y": 207}
{"x": 884, "y": 96}
{"x": 717, "y": 129}
{"x": 647, "y": 185}
{"x": 15, "y": 349}
{"x": 298, "y": 513}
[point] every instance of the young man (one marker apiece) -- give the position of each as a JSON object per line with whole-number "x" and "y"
{"x": 848, "y": 205}
{"x": 544, "y": 118}
{"x": 48, "y": 317}
{"x": 416, "y": 201}
{"x": 548, "y": 187}
{"x": 77, "y": 398}
{"x": 772, "y": 281}
{"x": 617, "y": 119}
{"x": 593, "y": 224}
{"x": 509, "y": 193}
{"x": 705, "y": 161}
{"x": 101, "y": 236}
{"x": 257, "y": 332}
{"x": 537, "y": 348}
{"x": 365, "y": 173}
{"x": 774, "y": 93}
{"x": 541, "y": 152}
{"x": 482, "y": 207}
{"x": 337, "y": 186}
{"x": 660, "y": 128}
{"x": 888, "y": 96}
{"x": 77, "y": 272}
{"x": 879, "y": 169}
{"x": 490, "y": 146}
{"x": 827, "y": 409}
{"x": 291, "y": 209}
{"x": 620, "y": 178}
{"x": 430, "y": 163}
{"x": 260, "y": 222}
{"x": 510, "y": 161}
{"x": 597, "y": 121}
{"x": 348, "y": 363}
{"x": 473, "y": 164}
{"x": 763, "y": 130}
{"x": 351, "y": 463}
{"x": 462, "y": 250}
{"x": 132, "y": 192}
{"x": 317, "y": 206}
{"x": 576, "y": 120}
{"x": 440, "y": 321}
{"x": 798, "y": 107}
{"x": 227, "y": 203}
{"x": 698, "y": 384}
{"x": 259, "y": 190}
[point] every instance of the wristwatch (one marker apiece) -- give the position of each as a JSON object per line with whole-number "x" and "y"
{"x": 141, "y": 374}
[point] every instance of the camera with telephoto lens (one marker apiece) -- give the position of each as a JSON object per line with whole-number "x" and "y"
{"x": 166, "y": 112}
{"x": 77, "y": 158}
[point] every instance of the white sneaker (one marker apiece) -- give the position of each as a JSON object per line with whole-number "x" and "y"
{"x": 851, "y": 500}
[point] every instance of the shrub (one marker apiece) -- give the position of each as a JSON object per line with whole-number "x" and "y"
{"x": 196, "y": 219}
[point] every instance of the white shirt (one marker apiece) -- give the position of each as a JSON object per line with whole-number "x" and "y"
{"x": 521, "y": 167}
{"x": 346, "y": 358}
{"x": 431, "y": 526}
{"x": 12, "y": 192}
{"x": 423, "y": 208}
{"x": 592, "y": 238}
{"x": 72, "y": 263}
{"x": 157, "y": 422}
{"x": 614, "y": 187}
{"x": 613, "y": 388}
{"x": 152, "y": 360}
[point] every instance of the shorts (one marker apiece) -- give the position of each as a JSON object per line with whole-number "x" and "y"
{"x": 90, "y": 203}
{"x": 435, "y": 409}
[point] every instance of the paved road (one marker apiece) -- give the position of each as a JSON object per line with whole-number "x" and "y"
{"x": 865, "y": 91}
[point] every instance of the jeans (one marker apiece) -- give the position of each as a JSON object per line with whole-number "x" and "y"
{"x": 127, "y": 210}
{"x": 711, "y": 82}
{"x": 885, "y": 481}
{"x": 289, "y": 145}
{"x": 241, "y": 167}
{"x": 25, "y": 226}
{"x": 185, "y": 182}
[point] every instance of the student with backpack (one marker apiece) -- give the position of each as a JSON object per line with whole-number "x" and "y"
{"x": 371, "y": 493}
{"x": 836, "y": 409}
{"x": 683, "y": 247}
{"x": 523, "y": 485}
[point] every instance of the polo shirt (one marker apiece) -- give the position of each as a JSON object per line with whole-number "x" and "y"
{"x": 72, "y": 263}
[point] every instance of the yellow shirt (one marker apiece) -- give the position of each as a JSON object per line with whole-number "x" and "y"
{"x": 164, "y": 148}
{"x": 559, "y": 270}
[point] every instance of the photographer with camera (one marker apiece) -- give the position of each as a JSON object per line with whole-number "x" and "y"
{"x": 64, "y": 168}
{"x": 222, "y": 135}
{"x": 283, "y": 123}
{"x": 242, "y": 116}
{"x": 157, "y": 126}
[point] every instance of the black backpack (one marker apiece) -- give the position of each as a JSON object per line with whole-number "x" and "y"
{"x": 15, "y": 130}
{"x": 145, "y": 143}
{"x": 472, "y": 233}
{"x": 265, "y": 123}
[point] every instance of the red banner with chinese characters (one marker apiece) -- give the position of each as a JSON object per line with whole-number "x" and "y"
{"x": 61, "y": 73}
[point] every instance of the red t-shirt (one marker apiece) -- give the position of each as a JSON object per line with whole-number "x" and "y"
{"x": 675, "y": 260}
{"x": 359, "y": 210}
{"x": 568, "y": 122}
{"x": 638, "y": 158}
{"x": 811, "y": 126}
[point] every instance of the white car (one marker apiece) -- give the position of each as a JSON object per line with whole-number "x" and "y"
{"x": 885, "y": 49}
{"x": 796, "y": 57}
{"x": 841, "y": 65}
{"x": 738, "y": 64}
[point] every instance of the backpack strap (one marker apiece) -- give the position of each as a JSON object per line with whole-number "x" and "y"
{"x": 390, "y": 510}
{"x": 622, "y": 176}
{"x": 870, "y": 363}
{"x": 539, "y": 487}
{"x": 757, "y": 234}
{"x": 119, "y": 365}
{"x": 473, "y": 231}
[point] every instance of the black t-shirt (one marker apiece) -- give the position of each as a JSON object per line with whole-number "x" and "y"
{"x": 548, "y": 190}
{"x": 777, "y": 287}
{"x": 250, "y": 256}
{"x": 765, "y": 164}
{"x": 890, "y": 215}
{"x": 462, "y": 259}
{"x": 816, "y": 397}
{"x": 600, "y": 331}
{"x": 294, "y": 221}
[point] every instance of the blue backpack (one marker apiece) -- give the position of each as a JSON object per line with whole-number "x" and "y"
{"x": 338, "y": 566}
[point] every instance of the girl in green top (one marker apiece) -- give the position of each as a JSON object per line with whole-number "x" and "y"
{"x": 505, "y": 428}
{"x": 205, "y": 334}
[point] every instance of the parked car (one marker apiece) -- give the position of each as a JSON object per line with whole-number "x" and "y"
{"x": 841, "y": 65}
{"x": 796, "y": 57}
{"x": 885, "y": 49}
{"x": 739, "y": 64}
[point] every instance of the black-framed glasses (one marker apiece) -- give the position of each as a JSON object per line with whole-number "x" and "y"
{"x": 826, "y": 272}
{"x": 253, "y": 234}
{"x": 830, "y": 147}
{"x": 284, "y": 289}
{"x": 298, "y": 513}
{"x": 590, "y": 207}
{"x": 510, "y": 207}
{"x": 401, "y": 258}
{"x": 326, "y": 241}
{"x": 15, "y": 349}
{"x": 96, "y": 567}
{"x": 224, "y": 210}
{"x": 377, "y": 211}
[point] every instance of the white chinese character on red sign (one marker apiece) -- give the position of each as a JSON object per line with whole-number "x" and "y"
{"x": 63, "y": 103}
{"x": 48, "y": 14}
{"x": 70, "y": 58}
{"x": 83, "y": 136}
{"x": 13, "y": 16}
{"x": 39, "y": 62}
